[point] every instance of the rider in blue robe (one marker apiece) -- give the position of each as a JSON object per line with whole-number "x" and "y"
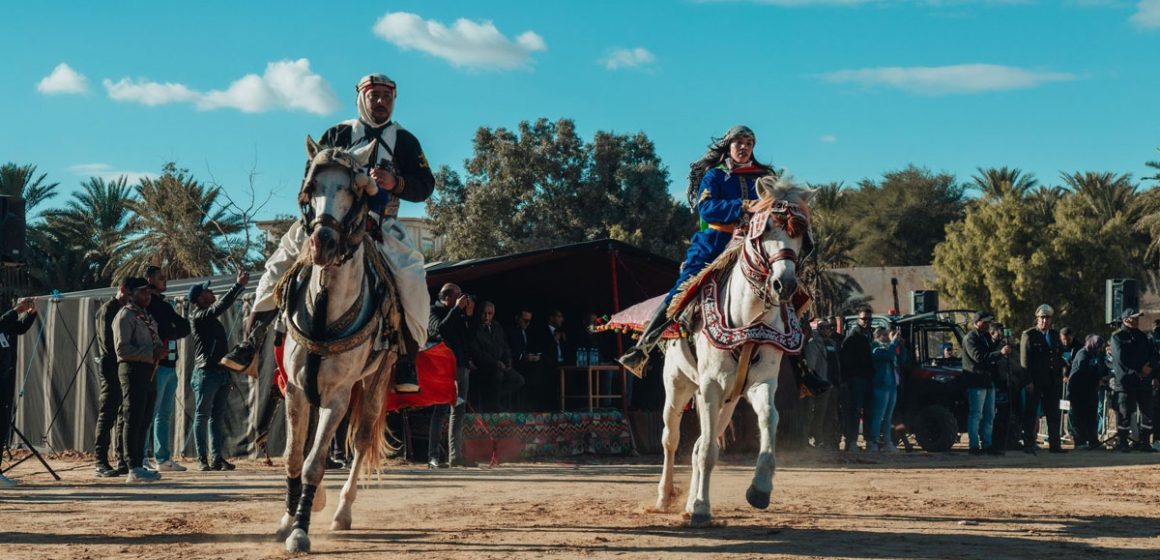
{"x": 721, "y": 185}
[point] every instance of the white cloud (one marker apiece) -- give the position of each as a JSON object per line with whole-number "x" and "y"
{"x": 828, "y": 139}
{"x": 466, "y": 43}
{"x": 1147, "y": 14}
{"x": 944, "y": 80}
{"x": 286, "y": 84}
{"x": 627, "y": 58}
{"x": 108, "y": 172}
{"x": 63, "y": 79}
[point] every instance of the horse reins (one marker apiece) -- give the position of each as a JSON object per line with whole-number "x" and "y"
{"x": 756, "y": 262}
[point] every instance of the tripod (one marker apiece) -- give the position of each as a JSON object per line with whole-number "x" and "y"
{"x": 12, "y": 419}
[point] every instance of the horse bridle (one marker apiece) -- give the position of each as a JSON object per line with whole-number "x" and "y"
{"x": 352, "y": 228}
{"x": 756, "y": 262}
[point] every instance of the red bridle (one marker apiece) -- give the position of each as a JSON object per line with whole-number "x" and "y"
{"x": 756, "y": 262}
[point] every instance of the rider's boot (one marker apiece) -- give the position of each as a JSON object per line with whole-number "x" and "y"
{"x": 241, "y": 357}
{"x": 636, "y": 360}
{"x": 406, "y": 376}
{"x": 809, "y": 384}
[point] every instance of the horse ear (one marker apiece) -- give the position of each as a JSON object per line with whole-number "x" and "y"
{"x": 312, "y": 147}
{"x": 766, "y": 187}
{"x": 362, "y": 156}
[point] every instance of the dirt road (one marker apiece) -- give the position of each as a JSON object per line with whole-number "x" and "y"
{"x": 1078, "y": 505}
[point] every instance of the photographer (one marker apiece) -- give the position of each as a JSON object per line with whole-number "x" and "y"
{"x": 981, "y": 356}
{"x": 211, "y": 381}
{"x": 451, "y": 322}
{"x": 13, "y": 323}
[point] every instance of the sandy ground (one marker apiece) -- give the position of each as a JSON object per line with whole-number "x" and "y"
{"x": 1078, "y": 505}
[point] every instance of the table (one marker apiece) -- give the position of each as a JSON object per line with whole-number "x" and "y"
{"x": 593, "y": 373}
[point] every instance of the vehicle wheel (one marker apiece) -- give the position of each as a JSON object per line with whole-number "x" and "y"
{"x": 935, "y": 429}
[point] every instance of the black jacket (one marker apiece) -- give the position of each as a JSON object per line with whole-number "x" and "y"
{"x": 170, "y": 325}
{"x": 1087, "y": 371}
{"x": 1131, "y": 351}
{"x": 453, "y": 327}
{"x": 105, "y": 315}
{"x": 1043, "y": 362}
{"x": 409, "y": 162}
{"x": 12, "y": 325}
{"x": 210, "y": 343}
{"x": 855, "y": 356}
{"x": 981, "y": 357}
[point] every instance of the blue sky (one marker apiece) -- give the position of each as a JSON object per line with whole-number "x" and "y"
{"x": 837, "y": 90}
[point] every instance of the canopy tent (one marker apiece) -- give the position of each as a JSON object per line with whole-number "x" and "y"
{"x": 57, "y": 374}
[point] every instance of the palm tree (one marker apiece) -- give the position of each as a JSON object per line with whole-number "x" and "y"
{"x": 835, "y": 292}
{"x": 1105, "y": 193}
{"x": 1154, "y": 164}
{"x": 21, "y": 181}
{"x": 995, "y": 183}
{"x": 93, "y": 223}
{"x": 178, "y": 225}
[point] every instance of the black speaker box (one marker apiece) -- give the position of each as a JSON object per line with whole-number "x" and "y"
{"x": 923, "y": 301}
{"x": 1122, "y": 293}
{"x": 11, "y": 230}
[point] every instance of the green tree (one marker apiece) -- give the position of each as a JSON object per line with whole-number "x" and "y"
{"x": 834, "y": 292}
{"x": 542, "y": 185}
{"x": 992, "y": 183}
{"x": 84, "y": 235}
{"x": 899, "y": 220}
{"x": 22, "y": 181}
{"x": 179, "y": 225}
{"x": 1096, "y": 237}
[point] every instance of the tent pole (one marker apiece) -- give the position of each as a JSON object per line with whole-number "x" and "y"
{"x": 616, "y": 299}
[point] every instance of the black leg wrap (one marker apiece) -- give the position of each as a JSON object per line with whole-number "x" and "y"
{"x": 293, "y": 493}
{"x": 302, "y": 518}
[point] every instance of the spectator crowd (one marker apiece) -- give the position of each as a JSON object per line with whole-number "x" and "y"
{"x": 1008, "y": 386}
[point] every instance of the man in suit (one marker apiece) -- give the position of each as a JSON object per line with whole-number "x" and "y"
{"x": 551, "y": 344}
{"x": 493, "y": 359}
{"x": 1041, "y": 355}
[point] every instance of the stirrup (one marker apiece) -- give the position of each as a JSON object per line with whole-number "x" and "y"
{"x": 636, "y": 361}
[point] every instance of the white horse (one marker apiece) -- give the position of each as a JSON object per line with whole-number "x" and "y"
{"x": 336, "y": 308}
{"x": 754, "y": 291}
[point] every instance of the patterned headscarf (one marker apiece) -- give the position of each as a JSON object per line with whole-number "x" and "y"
{"x": 367, "y": 82}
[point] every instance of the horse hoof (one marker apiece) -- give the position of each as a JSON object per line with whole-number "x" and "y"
{"x": 340, "y": 525}
{"x": 757, "y": 498}
{"x": 700, "y": 520}
{"x": 298, "y": 543}
{"x": 284, "y": 528}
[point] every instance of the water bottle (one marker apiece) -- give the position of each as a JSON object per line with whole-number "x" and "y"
{"x": 581, "y": 356}
{"x": 594, "y": 356}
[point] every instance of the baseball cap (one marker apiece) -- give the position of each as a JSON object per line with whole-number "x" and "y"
{"x": 982, "y": 316}
{"x": 134, "y": 283}
{"x": 196, "y": 290}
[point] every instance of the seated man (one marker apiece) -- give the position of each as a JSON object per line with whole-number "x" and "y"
{"x": 493, "y": 359}
{"x": 399, "y": 170}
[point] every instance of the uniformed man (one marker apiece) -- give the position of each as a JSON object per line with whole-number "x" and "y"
{"x": 1134, "y": 358}
{"x": 1041, "y": 356}
{"x": 400, "y": 171}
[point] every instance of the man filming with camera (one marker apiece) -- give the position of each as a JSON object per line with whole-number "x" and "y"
{"x": 13, "y": 323}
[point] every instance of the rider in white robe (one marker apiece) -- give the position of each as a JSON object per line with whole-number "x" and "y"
{"x": 400, "y": 170}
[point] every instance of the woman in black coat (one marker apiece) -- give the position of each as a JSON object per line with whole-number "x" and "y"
{"x": 1088, "y": 369}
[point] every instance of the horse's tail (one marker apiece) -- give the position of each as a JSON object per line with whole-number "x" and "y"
{"x": 372, "y": 392}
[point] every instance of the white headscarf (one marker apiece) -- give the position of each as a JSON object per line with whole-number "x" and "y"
{"x": 364, "y": 113}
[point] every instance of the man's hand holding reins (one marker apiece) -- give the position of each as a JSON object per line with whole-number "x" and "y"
{"x": 383, "y": 179}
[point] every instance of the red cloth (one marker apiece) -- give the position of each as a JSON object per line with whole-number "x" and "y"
{"x": 436, "y": 367}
